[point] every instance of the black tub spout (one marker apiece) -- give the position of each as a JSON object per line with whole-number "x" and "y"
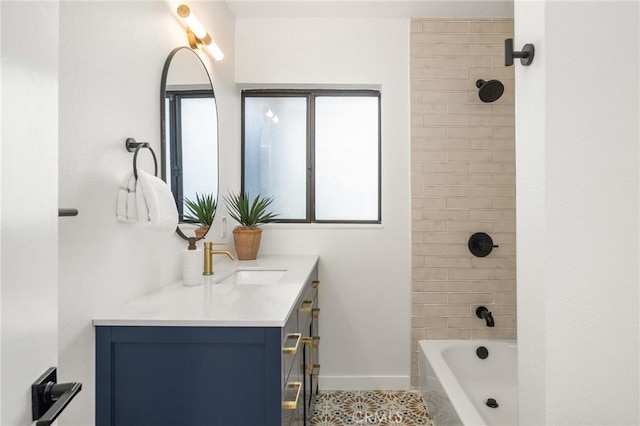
{"x": 484, "y": 313}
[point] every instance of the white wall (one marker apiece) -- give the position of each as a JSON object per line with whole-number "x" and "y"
{"x": 530, "y": 213}
{"x": 365, "y": 271}
{"x": 578, "y": 202}
{"x": 29, "y": 188}
{"x": 1, "y": 204}
{"x": 372, "y": 9}
{"x": 111, "y": 59}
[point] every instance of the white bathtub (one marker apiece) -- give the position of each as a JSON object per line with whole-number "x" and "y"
{"x": 456, "y": 384}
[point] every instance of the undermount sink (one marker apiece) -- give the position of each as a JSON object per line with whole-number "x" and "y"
{"x": 254, "y": 276}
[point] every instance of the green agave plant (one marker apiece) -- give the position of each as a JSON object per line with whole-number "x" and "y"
{"x": 202, "y": 210}
{"x": 249, "y": 212}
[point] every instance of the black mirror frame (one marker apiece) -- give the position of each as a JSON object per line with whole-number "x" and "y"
{"x": 163, "y": 119}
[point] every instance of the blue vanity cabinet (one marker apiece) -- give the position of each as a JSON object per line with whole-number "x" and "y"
{"x": 204, "y": 375}
{"x": 188, "y": 376}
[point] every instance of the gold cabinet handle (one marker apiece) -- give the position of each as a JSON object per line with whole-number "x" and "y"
{"x": 315, "y": 370}
{"x": 315, "y": 344}
{"x": 308, "y": 341}
{"x": 316, "y": 312}
{"x": 312, "y": 343}
{"x": 306, "y": 305}
{"x": 315, "y": 284}
{"x": 292, "y": 405}
{"x": 292, "y": 350}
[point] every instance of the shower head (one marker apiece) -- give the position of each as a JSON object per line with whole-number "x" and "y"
{"x": 490, "y": 91}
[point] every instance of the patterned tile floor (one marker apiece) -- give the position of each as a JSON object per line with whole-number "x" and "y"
{"x": 380, "y": 408}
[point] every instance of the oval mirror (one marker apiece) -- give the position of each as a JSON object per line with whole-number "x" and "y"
{"x": 189, "y": 128}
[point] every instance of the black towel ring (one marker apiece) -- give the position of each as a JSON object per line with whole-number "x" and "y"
{"x": 133, "y": 146}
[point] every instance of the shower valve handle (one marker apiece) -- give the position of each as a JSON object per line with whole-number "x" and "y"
{"x": 481, "y": 244}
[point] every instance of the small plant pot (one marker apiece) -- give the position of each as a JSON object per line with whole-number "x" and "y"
{"x": 201, "y": 232}
{"x": 247, "y": 242}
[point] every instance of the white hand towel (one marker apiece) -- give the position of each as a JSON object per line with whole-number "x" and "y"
{"x": 155, "y": 203}
{"x": 126, "y": 210}
{"x": 121, "y": 206}
{"x": 132, "y": 209}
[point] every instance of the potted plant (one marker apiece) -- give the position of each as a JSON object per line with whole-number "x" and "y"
{"x": 249, "y": 213}
{"x": 201, "y": 211}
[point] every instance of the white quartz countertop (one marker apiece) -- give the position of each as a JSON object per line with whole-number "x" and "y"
{"x": 220, "y": 305}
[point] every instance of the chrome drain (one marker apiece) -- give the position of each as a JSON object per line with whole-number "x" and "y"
{"x": 492, "y": 403}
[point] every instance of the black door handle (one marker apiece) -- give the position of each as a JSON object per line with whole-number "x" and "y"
{"x": 49, "y": 398}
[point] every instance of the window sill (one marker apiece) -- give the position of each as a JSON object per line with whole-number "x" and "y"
{"x": 368, "y": 226}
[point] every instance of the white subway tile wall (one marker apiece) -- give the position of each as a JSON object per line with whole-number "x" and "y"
{"x": 463, "y": 180}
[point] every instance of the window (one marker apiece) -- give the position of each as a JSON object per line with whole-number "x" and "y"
{"x": 317, "y": 152}
{"x": 191, "y": 119}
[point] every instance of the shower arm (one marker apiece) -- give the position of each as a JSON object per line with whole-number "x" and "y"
{"x": 525, "y": 55}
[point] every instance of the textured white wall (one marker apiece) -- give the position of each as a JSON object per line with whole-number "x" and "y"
{"x": 365, "y": 271}
{"x": 111, "y": 59}
{"x": 29, "y": 188}
{"x": 578, "y": 198}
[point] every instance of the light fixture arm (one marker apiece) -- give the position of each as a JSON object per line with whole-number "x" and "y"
{"x": 195, "y": 42}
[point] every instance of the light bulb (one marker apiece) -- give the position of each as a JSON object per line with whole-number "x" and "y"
{"x": 214, "y": 50}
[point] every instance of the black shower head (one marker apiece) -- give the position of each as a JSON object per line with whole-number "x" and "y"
{"x": 490, "y": 91}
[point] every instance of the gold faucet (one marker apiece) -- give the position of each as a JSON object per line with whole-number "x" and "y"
{"x": 208, "y": 257}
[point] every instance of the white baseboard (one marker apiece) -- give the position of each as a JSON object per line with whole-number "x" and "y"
{"x": 364, "y": 383}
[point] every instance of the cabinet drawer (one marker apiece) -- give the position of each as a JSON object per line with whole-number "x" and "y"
{"x": 293, "y": 392}
{"x": 292, "y": 347}
{"x": 291, "y": 401}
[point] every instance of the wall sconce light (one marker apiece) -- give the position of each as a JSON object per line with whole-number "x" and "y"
{"x": 198, "y": 36}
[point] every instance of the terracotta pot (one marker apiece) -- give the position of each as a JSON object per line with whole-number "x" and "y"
{"x": 201, "y": 232}
{"x": 247, "y": 242}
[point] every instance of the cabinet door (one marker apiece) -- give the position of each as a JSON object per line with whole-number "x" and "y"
{"x": 188, "y": 376}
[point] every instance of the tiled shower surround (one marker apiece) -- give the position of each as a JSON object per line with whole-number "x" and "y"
{"x": 463, "y": 180}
